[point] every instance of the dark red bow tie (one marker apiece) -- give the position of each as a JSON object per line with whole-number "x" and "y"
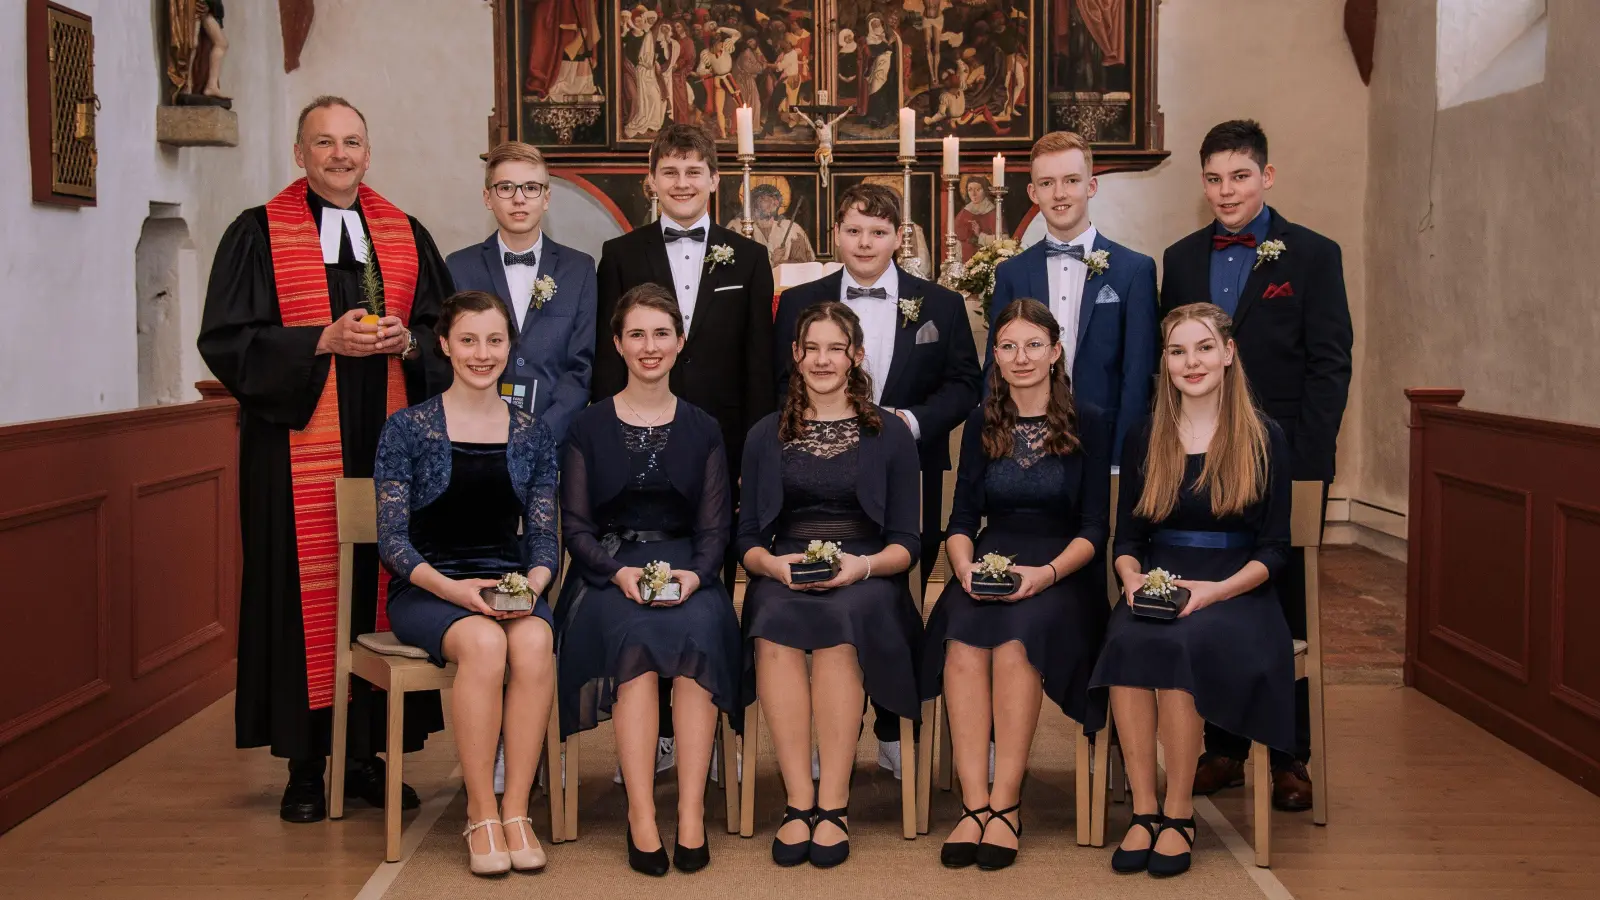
{"x": 1219, "y": 241}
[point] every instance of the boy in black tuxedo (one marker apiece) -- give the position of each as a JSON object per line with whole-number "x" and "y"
{"x": 920, "y": 354}
{"x": 1283, "y": 284}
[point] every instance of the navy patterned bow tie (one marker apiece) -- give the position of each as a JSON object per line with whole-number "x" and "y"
{"x": 1051, "y": 248}
{"x": 851, "y": 293}
{"x": 693, "y": 234}
{"x": 521, "y": 259}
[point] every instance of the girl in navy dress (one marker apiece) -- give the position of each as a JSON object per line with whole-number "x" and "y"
{"x": 644, "y": 479}
{"x": 455, "y": 476}
{"x": 1039, "y": 468}
{"x": 1205, "y": 496}
{"x": 831, "y": 467}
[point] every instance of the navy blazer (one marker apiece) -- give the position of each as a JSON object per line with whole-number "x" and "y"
{"x": 1118, "y": 329}
{"x": 553, "y": 344}
{"x": 938, "y": 382}
{"x": 1296, "y": 345}
{"x": 888, "y": 484}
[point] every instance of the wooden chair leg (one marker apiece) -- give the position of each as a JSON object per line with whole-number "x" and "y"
{"x": 1319, "y": 756}
{"x": 392, "y": 764}
{"x": 908, "y": 780}
{"x": 1261, "y": 791}
{"x": 570, "y": 804}
{"x": 1119, "y": 778}
{"x": 555, "y": 791}
{"x": 1081, "y": 784}
{"x": 747, "y": 779}
{"x": 930, "y": 733}
{"x": 1097, "y": 787}
{"x": 946, "y": 753}
{"x": 341, "y": 737}
{"x": 730, "y": 773}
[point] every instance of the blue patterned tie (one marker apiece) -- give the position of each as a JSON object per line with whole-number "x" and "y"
{"x": 1051, "y": 248}
{"x": 521, "y": 259}
{"x": 852, "y": 293}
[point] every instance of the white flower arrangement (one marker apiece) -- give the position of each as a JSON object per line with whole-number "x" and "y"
{"x": 1159, "y": 582}
{"x": 1098, "y": 262}
{"x": 543, "y": 290}
{"x": 653, "y": 579}
{"x": 977, "y": 273}
{"x": 910, "y": 309}
{"x": 994, "y": 565}
{"x": 720, "y": 255}
{"x": 1267, "y": 252}
{"x": 514, "y": 584}
{"x": 823, "y": 551}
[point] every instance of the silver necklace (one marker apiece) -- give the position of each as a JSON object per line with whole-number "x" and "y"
{"x": 648, "y": 423}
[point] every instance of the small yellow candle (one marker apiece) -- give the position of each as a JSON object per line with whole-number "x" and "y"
{"x": 908, "y": 132}
{"x": 999, "y": 170}
{"x": 952, "y": 155}
{"x": 747, "y": 139}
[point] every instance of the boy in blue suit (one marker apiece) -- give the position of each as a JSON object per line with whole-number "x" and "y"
{"x": 1100, "y": 291}
{"x": 549, "y": 288}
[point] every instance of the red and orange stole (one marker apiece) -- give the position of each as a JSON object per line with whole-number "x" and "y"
{"x": 315, "y": 455}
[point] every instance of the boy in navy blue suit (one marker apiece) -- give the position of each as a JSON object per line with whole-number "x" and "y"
{"x": 1283, "y": 284}
{"x": 549, "y": 288}
{"x": 1102, "y": 293}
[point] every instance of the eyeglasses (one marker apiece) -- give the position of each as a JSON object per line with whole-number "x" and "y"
{"x": 1033, "y": 349}
{"x": 533, "y": 190}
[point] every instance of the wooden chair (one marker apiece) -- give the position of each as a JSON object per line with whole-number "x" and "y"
{"x": 382, "y": 661}
{"x": 1305, "y": 531}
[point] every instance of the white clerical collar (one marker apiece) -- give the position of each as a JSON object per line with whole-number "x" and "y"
{"x": 889, "y": 281}
{"x": 537, "y": 248}
{"x": 703, "y": 222}
{"x": 335, "y": 222}
{"x": 1084, "y": 240}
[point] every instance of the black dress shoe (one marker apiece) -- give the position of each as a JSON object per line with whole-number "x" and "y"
{"x": 1164, "y": 866}
{"x": 833, "y": 854}
{"x": 960, "y": 854}
{"x": 364, "y": 780}
{"x": 993, "y": 856}
{"x": 787, "y": 855}
{"x": 304, "y": 800}
{"x": 1126, "y": 862}
{"x": 690, "y": 859}
{"x": 654, "y": 863}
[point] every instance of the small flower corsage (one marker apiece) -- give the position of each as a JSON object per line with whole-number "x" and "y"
{"x": 910, "y": 309}
{"x": 993, "y": 576}
{"x": 720, "y": 255}
{"x": 823, "y": 551}
{"x": 654, "y": 580}
{"x": 1267, "y": 252}
{"x": 1098, "y": 262}
{"x": 543, "y": 290}
{"x": 1159, "y": 582}
{"x": 512, "y": 593}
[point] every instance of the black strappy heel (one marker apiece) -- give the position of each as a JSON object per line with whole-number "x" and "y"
{"x": 794, "y": 854}
{"x": 832, "y": 855}
{"x": 1127, "y": 862}
{"x": 994, "y": 856}
{"x": 960, "y": 854}
{"x": 1165, "y": 866}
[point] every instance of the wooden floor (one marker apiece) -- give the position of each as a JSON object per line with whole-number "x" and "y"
{"x": 1426, "y": 806}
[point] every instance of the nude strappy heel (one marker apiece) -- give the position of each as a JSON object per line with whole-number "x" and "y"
{"x": 531, "y": 857}
{"x": 494, "y": 862}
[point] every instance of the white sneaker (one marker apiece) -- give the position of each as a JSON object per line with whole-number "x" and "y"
{"x": 666, "y": 758}
{"x": 889, "y": 757}
{"x": 500, "y": 768}
{"x": 544, "y": 773}
{"x": 716, "y": 763}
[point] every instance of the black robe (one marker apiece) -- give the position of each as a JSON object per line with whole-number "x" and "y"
{"x": 277, "y": 377}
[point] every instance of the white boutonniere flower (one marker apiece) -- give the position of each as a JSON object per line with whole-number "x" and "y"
{"x": 543, "y": 290}
{"x": 720, "y": 255}
{"x": 1267, "y": 252}
{"x": 1098, "y": 262}
{"x": 910, "y": 309}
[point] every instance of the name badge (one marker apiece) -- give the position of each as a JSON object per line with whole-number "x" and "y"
{"x": 519, "y": 392}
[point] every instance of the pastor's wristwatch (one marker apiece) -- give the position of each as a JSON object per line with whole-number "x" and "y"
{"x": 411, "y": 345}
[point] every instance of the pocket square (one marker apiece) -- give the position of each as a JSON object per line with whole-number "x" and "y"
{"x": 1275, "y": 291}
{"x": 727, "y": 287}
{"x": 928, "y": 333}
{"x": 1107, "y": 295}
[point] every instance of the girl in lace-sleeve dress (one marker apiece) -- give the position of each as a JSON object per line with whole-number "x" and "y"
{"x": 456, "y": 475}
{"x": 831, "y": 467}
{"x": 1039, "y": 468}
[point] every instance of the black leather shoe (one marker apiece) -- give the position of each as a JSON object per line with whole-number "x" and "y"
{"x": 690, "y": 859}
{"x": 653, "y": 863}
{"x": 1127, "y": 862}
{"x": 1164, "y": 866}
{"x": 960, "y": 854}
{"x": 794, "y": 854}
{"x": 833, "y": 854}
{"x": 364, "y": 780}
{"x": 994, "y": 856}
{"x": 304, "y": 800}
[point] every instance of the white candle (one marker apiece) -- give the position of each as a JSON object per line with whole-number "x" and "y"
{"x": 747, "y": 139}
{"x": 908, "y": 132}
{"x": 999, "y": 170}
{"x": 952, "y": 155}
{"x": 822, "y": 98}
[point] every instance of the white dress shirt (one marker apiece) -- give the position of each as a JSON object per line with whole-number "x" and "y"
{"x": 1067, "y": 277}
{"x": 335, "y": 222}
{"x": 520, "y": 278}
{"x": 688, "y": 262}
{"x": 879, "y": 321}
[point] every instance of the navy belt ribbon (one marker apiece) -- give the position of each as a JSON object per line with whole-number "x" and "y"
{"x": 649, "y": 537}
{"x": 1209, "y": 540}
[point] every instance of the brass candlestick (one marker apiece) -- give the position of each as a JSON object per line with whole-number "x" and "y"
{"x": 952, "y": 254}
{"x": 999, "y": 193}
{"x": 746, "y": 225}
{"x": 908, "y": 241}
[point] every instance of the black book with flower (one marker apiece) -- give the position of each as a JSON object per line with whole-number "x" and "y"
{"x": 994, "y": 577}
{"x": 821, "y": 563}
{"x": 1160, "y": 598}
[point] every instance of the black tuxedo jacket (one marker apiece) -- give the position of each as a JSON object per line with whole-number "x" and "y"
{"x": 726, "y": 364}
{"x": 937, "y": 381}
{"x": 1295, "y": 343}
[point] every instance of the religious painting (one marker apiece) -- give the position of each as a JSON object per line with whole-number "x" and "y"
{"x": 924, "y": 196}
{"x": 963, "y": 66}
{"x": 784, "y": 213}
{"x": 557, "y": 53}
{"x": 622, "y": 191}
{"x": 695, "y": 61}
{"x": 1098, "y": 60}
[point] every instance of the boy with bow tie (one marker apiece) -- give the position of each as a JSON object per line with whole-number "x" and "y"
{"x": 1283, "y": 284}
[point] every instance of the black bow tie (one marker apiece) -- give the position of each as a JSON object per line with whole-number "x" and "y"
{"x": 521, "y": 259}
{"x": 1051, "y": 248}
{"x": 693, "y": 234}
{"x": 851, "y": 293}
